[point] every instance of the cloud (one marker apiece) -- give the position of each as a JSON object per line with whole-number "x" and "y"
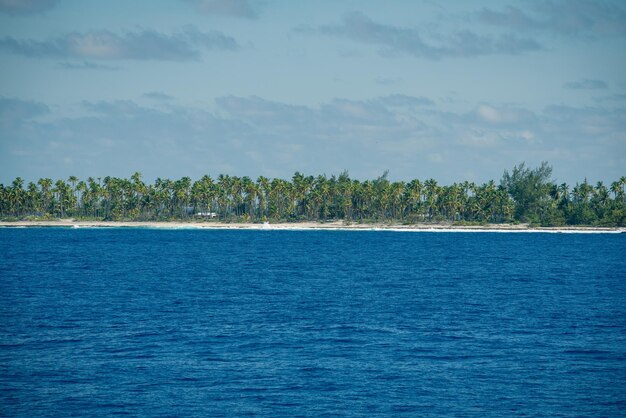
{"x": 264, "y": 112}
{"x": 332, "y": 117}
{"x": 512, "y": 18}
{"x": 504, "y": 115}
{"x": 254, "y": 136}
{"x": 119, "y": 137}
{"x": 86, "y": 65}
{"x": 389, "y": 80}
{"x": 26, "y": 7}
{"x": 114, "y": 108}
{"x": 392, "y": 39}
{"x": 490, "y": 116}
{"x": 586, "y": 84}
{"x": 357, "y": 113}
{"x": 246, "y": 136}
{"x": 157, "y": 95}
{"x": 399, "y": 100}
{"x": 612, "y": 98}
{"x": 589, "y": 123}
{"x": 234, "y": 8}
{"x": 500, "y": 128}
{"x": 184, "y": 45}
{"x": 564, "y": 17}
{"x": 477, "y": 138}
{"x": 15, "y": 112}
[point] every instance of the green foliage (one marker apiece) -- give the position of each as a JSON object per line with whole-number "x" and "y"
{"x": 553, "y": 217}
{"x": 530, "y": 190}
{"x": 525, "y": 195}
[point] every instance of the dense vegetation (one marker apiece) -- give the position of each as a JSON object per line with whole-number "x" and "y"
{"x": 523, "y": 195}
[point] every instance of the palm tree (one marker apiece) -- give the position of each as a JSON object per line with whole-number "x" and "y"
{"x": 92, "y": 198}
{"x": 16, "y": 196}
{"x": 62, "y": 190}
{"x": 196, "y": 195}
{"x": 396, "y": 191}
{"x": 414, "y": 196}
{"x": 224, "y": 183}
{"x": 33, "y": 199}
{"x": 81, "y": 190}
{"x": 263, "y": 187}
{"x": 600, "y": 199}
{"x": 181, "y": 195}
{"x": 250, "y": 192}
{"x": 45, "y": 185}
{"x": 323, "y": 198}
{"x": 432, "y": 194}
{"x": 4, "y": 200}
{"x": 617, "y": 187}
{"x": 343, "y": 198}
{"x": 73, "y": 180}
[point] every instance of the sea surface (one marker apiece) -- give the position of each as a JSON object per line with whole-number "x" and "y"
{"x": 308, "y": 323}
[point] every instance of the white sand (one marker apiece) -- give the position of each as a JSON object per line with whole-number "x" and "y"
{"x": 310, "y": 226}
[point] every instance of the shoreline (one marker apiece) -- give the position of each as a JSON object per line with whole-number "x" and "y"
{"x": 300, "y": 226}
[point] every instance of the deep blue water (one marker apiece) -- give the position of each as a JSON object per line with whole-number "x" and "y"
{"x": 186, "y": 322}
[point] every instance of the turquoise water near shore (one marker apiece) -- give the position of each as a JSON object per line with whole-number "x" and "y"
{"x": 210, "y": 322}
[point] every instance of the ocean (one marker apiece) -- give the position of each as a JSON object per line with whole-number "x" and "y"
{"x": 105, "y": 321}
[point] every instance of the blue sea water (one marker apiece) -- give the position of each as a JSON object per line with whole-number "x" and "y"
{"x": 209, "y": 323}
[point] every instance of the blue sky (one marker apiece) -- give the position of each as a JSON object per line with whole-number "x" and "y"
{"x": 455, "y": 90}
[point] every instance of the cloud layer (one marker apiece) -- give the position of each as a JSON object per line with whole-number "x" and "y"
{"x": 586, "y": 84}
{"x": 563, "y": 17}
{"x": 433, "y": 110}
{"x": 14, "y": 112}
{"x": 86, "y": 65}
{"x": 234, "y": 8}
{"x": 359, "y": 28}
{"x": 26, "y": 7}
{"x": 184, "y": 45}
{"x": 254, "y": 136}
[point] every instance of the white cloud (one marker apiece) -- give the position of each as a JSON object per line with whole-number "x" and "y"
{"x": 253, "y": 136}
{"x": 503, "y": 115}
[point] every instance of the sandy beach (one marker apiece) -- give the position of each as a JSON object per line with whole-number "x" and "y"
{"x": 338, "y": 225}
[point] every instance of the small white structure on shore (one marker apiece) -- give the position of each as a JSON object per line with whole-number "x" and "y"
{"x": 210, "y": 215}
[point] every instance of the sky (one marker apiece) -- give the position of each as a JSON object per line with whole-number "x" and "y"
{"x": 454, "y": 90}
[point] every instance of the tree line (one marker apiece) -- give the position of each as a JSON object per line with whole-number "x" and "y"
{"x": 526, "y": 195}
